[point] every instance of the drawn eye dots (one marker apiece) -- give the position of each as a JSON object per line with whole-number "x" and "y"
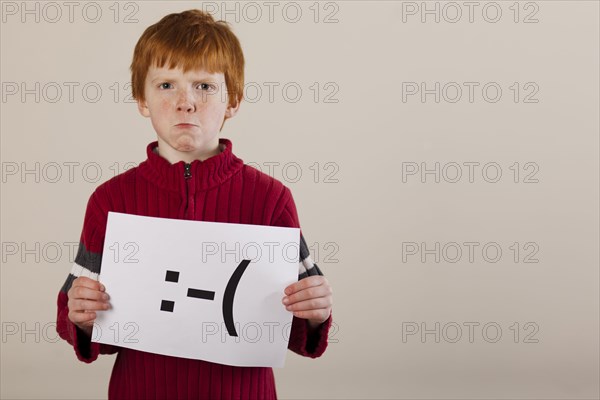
{"x": 173, "y": 276}
{"x": 228, "y": 297}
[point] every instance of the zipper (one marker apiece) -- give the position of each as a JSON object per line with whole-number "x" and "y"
{"x": 187, "y": 174}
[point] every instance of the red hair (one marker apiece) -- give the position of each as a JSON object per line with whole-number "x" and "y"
{"x": 191, "y": 40}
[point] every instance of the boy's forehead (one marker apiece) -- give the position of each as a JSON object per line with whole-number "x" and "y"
{"x": 154, "y": 71}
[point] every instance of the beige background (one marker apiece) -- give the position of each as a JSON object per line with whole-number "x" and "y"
{"x": 367, "y": 215}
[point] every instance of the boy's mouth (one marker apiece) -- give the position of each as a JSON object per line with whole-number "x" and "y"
{"x": 185, "y": 125}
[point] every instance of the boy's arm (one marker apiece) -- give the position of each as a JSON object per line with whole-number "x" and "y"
{"x": 87, "y": 263}
{"x": 305, "y": 340}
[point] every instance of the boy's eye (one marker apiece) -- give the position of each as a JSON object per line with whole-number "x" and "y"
{"x": 162, "y": 85}
{"x": 206, "y": 86}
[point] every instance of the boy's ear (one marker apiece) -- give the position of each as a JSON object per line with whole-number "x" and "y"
{"x": 232, "y": 110}
{"x": 143, "y": 108}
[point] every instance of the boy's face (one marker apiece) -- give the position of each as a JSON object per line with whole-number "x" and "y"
{"x": 187, "y": 111}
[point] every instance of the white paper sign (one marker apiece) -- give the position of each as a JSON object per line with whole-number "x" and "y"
{"x": 200, "y": 290}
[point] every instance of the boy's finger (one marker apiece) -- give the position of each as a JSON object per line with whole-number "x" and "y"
{"x": 311, "y": 304}
{"x": 88, "y": 282}
{"x": 314, "y": 280}
{"x": 313, "y": 314}
{"x": 306, "y": 294}
{"x": 82, "y": 292}
{"x": 81, "y": 317}
{"x": 90, "y": 305}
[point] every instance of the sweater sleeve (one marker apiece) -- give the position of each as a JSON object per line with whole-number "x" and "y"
{"x": 302, "y": 341}
{"x": 87, "y": 263}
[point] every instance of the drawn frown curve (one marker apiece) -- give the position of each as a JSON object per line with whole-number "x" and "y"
{"x": 229, "y": 296}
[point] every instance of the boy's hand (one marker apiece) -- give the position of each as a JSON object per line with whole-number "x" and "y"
{"x": 85, "y": 297}
{"x": 310, "y": 298}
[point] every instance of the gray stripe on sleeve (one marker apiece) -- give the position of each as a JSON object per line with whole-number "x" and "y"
{"x": 68, "y": 283}
{"x": 304, "y": 252}
{"x": 88, "y": 259}
{"x": 315, "y": 270}
{"x": 306, "y": 266}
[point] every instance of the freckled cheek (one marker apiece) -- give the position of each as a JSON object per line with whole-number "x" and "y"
{"x": 210, "y": 110}
{"x": 166, "y": 106}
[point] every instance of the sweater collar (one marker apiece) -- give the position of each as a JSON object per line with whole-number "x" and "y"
{"x": 204, "y": 174}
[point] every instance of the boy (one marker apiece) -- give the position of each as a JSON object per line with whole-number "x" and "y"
{"x": 188, "y": 78}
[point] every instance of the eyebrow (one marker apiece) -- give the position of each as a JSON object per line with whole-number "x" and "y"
{"x": 167, "y": 78}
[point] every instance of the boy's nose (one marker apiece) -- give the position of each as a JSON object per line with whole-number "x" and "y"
{"x": 185, "y": 103}
{"x": 185, "y": 106}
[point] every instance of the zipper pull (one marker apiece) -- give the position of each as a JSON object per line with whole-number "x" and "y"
{"x": 188, "y": 172}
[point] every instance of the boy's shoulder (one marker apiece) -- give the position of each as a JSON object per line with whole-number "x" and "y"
{"x": 125, "y": 177}
{"x": 119, "y": 182}
{"x": 263, "y": 180}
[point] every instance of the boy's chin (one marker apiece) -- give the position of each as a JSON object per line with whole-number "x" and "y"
{"x": 187, "y": 145}
{"x": 186, "y": 148}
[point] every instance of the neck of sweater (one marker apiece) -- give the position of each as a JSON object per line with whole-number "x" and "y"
{"x": 198, "y": 174}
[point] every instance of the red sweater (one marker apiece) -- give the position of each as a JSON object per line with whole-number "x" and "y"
{"x": 219, "y": 189}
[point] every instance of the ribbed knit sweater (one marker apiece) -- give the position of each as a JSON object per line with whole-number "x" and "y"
{"x": 219, "y": 189}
